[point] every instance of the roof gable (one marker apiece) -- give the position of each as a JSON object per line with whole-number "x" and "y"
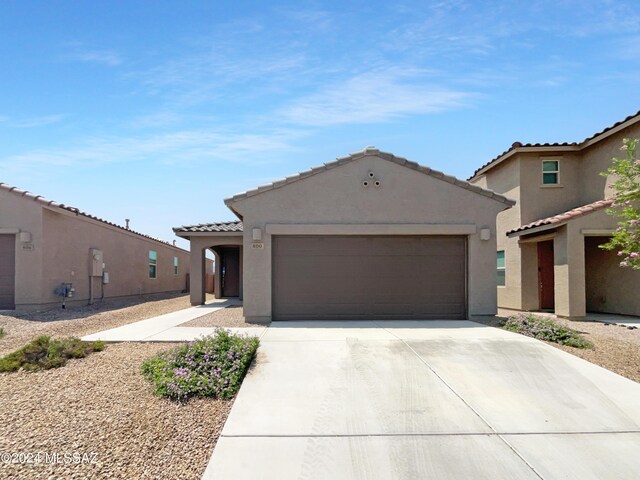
{"x": 562, "y": 218}
{"x": 369, "y": 152}
{"x": 216, "y": 227}
{"x": 43, "y": 202}
{"x": 557, "y": 147}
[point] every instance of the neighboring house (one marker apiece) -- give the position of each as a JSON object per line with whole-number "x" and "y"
{"x": 44, "y": 245}
{"x": 548, "y": 255}
{"x": 368, "y": 236}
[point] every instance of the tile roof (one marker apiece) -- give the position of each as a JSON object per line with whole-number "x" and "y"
{"x": 210, "y": 227}
{"x": 562, "y": 218}
{"x": 369, "y": 151}
{"x": 50, "y": 203}
{"x": 575, "y": 145}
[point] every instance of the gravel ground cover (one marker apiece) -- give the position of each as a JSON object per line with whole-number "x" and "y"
{"x": 615, "y": 348}
{"x": 232, "y": 316}
{"x": 103, "y": 405}
{"x": 21, "y": 328}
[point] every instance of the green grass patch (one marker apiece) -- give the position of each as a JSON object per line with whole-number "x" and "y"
{"x": 212, "y": 366}
{"x": 45, "y": 352}
{"x": 546, "y": 329}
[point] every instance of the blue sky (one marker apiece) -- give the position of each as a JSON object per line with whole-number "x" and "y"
{"x": 143, "y": 109}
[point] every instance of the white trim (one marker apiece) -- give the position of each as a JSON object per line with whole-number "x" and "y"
{"x": 371, "y": 229}
{"x": 557, "y": 172}
{"x": 9, "y": 231}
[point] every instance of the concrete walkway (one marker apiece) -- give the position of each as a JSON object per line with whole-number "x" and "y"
{"x": 165, "y": 328}
{"x": 414, "y": 400}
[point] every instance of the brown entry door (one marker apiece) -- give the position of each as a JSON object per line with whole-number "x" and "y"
{"x": 545, "y": 275}
{"x": 230, "y": 272}
{"x": 7, "y": 271}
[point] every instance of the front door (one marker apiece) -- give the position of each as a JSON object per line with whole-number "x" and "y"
{"x": 545, "y": 275}
{"x": 230, "y": 272}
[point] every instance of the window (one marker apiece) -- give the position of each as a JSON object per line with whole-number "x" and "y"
{"x": 550, "y": 172}
{"x": 501, "y": 268}
{"x": 175, "y": 265}
{"x": 153, "y": 264}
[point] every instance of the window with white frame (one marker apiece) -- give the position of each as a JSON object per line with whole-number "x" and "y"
{"x": 550, "y": 172}
{"x": 153, "y": 264}
{"x": 501, "y": 268}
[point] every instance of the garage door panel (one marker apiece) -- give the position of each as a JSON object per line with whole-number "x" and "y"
{"x": 369, "y": 277}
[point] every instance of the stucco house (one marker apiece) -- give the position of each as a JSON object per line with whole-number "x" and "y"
{"x": 547, "y": 248}
{"x": 367, "y": 236}
{"x": 47, "y": 248}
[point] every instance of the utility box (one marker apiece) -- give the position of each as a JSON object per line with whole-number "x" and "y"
{"x": 105, "y": 278}
{"x": 96, "y": 262}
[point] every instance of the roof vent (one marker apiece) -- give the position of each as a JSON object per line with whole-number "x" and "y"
{"x": 127, "y": 223}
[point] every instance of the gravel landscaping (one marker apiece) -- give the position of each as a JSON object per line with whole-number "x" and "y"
{"x": 231, "y": 316}
{"x": 102, "y": 404}
{"x": 615, "y": 348}
{"x": 21, "y": 328}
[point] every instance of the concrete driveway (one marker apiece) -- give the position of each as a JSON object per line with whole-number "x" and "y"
{"x": 422, "y": 400}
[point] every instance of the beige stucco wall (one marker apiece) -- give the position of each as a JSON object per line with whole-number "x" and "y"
{"x": 66, "y": 243}
{"x": 17, "y": 213}
{"x": 539, "y": 201}
{"x": 505, "y": 179}
{"x": 618, "y": 285}
{"x": 596, "y": 159}
{"x": 200, "y": 265}
{"x": 520, "y": 178}
{"x": 336, "y": 197}
{"x": 609, "y": 288}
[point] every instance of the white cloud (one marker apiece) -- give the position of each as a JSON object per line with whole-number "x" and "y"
{"x": 154, "y": 120}
{"x": 371, "y": 98}
{"x": 202, "y": 77}
{"x": 37, "y": 121}
{"x": 181, "y": 146}
{"x": 102, "y": 57}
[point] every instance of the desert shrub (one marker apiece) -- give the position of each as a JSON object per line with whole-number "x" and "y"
{"x": 2, "y": 332}
{"x": 212, "y": 366}
{"x": 46, "y": 352}
{"x": 545, "y": 329}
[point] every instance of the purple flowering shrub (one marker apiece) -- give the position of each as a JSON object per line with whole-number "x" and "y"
{"x": 212, "y": 366}
{"x": 545, "y": 329}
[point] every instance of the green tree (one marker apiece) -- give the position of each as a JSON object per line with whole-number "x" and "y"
{"x": 626, "y": 205}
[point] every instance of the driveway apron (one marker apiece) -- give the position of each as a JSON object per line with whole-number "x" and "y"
{"x": 436, "y": 399}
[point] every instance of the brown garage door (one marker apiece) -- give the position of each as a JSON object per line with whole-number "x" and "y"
{"x": 7, "y": 271}
{"x": 369, "y": 277}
